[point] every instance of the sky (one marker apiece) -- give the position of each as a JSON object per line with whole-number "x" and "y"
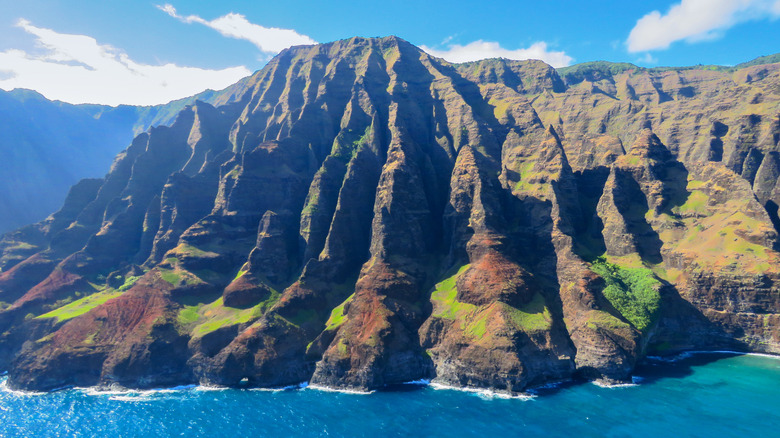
{"x": 145, "y": 52}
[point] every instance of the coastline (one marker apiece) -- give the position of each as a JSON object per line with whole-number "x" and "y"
{"x": 130, "y": 394}
{"x": 717, "y": 395}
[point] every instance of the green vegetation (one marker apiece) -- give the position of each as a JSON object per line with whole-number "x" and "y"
{"x": 204, "y": 275}
{"x": 192, "y": 251}
{"x": 761, "y": 60}
{"x": 46, "y": 338}
{"x": 632, "y": 291}
{"x": 129, "y": 282}
{"x": 696, "y": 203}
{"x": 500, "y": 108}
{"x": 445, "y": 294}
{"x": 233, "y": 174}
{"x": 602, "y": 319}
{"x": 594, "y": 71}
{"x": 202, "y": 319}
{"x": 313, "y": 199}
{"x": 534, "y": 179}
{"x": 90, "y": 339}
{"x": 532, "y": 317}
{"x": 240, "y": 273}
{"x": 188, "y": 314}
{"x": 477, "y": 328}
{"x": 348, "y": 142}
{"x": 342, "y": 348}
{"x": 170, "y": 276}
{"x": 475, "y": 320}
{"x": 178, "y": 277}
{"x": 597, "y": 70}
{"x": 82, "y": 306}
{"x": 337, "y": 315}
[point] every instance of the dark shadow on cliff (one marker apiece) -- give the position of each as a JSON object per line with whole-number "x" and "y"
{"x": 682, "y": 327}
{"x": 772, "y": 209}
{"x": 588, "y": 237}
{"x": 654, "y": 370}
{"x": 633, "y": 206}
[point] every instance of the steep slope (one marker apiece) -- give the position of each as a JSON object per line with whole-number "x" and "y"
{"x": 46, "y": 147}
{"x": 361, "y": 214}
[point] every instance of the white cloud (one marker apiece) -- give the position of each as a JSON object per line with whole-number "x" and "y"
{"x": 480, "y": 49}
{"x": 76, "y": 69}
{"x": 647, "y": 59}
{"x": 696, "y": 20}
{"x": 267, "y": 39}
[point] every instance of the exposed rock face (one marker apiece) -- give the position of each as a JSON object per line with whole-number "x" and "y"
{"x": 364, "y": 215}
{"x": 46, "y": 146}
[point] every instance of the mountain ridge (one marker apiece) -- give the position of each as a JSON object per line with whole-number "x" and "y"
{"x": 47, "y": 146}
{"x": 364, "y": 214}
{"x": 618, "y": 67}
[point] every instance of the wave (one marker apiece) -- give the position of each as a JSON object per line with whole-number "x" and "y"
{"x": 420, "y": 382}
{"x": 482, "y": 392}
{"x": 16, "y": 392}
{"x": 344, "y": 391}
{"x": 127, "y": 394}
{"x": 604, "y": 384}
{"x": 210, "y": 388}
{"x": 301, "y": 385}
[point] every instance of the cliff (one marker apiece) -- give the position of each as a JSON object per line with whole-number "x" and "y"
{"x": 47, "y": 146}
{"x": 362, "y": 214}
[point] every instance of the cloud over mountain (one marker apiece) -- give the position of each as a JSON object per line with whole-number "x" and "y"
{"x": 480, "y": 49}
{"x": 696, "y": 20}
{"x": 78, "y": 69}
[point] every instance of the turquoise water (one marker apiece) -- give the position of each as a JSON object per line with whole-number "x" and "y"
{"x": 703, "y": 395}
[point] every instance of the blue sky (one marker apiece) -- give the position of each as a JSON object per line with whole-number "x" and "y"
{"x": 147, "y": 52}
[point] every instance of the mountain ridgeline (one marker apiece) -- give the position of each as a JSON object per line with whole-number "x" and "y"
{"x": 47, "y": 146}
{"x": 364, "y": 214}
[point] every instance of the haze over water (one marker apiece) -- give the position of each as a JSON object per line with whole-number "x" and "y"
{"x": 703, "y": 395}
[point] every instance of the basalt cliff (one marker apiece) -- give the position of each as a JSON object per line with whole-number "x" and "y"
{"x": 362, "y": 214}
{"x": 47, "y": 146}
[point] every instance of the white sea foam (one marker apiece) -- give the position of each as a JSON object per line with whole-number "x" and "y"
{"x": 604, "y": 384}
{"x": 4, "y": 388}
{"x": 421, "y": 382}
{"x": 482, "y": 392}
{"x": 345, "y": 391}
{"x": 170, "y": 390}
{"x": 210, "y": 388}
{"x": 301, "y": 385}
{"x": 127, "y": 394}
{"x": 103, "y": 391}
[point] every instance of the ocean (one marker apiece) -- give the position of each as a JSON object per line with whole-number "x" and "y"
{"x": 700, "y": 395}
